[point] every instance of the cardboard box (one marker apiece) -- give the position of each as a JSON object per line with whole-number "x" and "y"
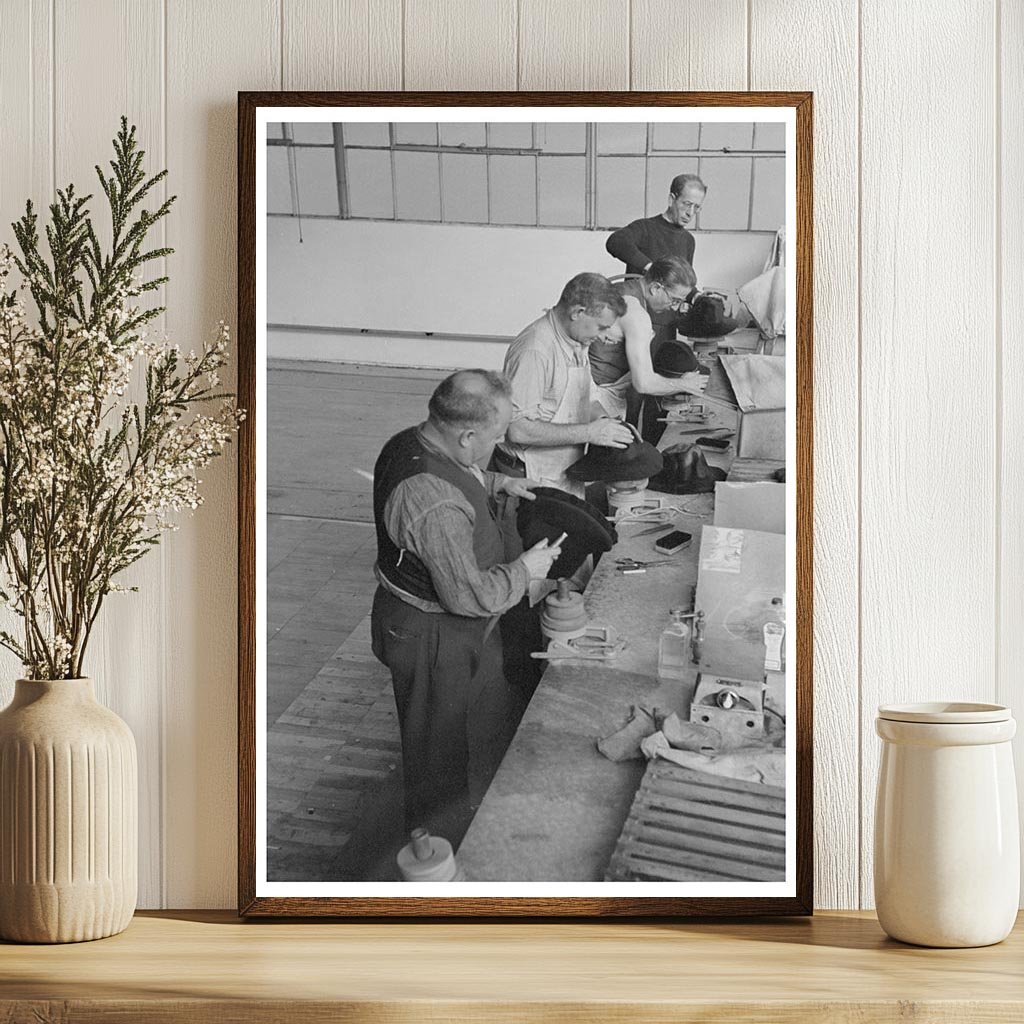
{"x": 756, "y": 387}
{"x": 751, "y": 506}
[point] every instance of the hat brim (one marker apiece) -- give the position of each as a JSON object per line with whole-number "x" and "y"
{"x": 637, "y": 462}
{"x": 692, "y": 485}
{"x": 554, "y": 512}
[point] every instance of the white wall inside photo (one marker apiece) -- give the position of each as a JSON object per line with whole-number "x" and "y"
{"x": 919, "y": 291}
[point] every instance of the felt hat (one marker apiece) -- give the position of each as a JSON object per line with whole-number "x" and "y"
{"x": 674, "y": 358}
{"x": 637, "y": 461}
{"x": 706, "y": 319}
{"x": 686, "y": 471}
{"x": 554, "y": 512}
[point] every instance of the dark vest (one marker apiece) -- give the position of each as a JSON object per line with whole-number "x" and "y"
{"x": 608, "y": 360}
{"x": 405, "y": 456}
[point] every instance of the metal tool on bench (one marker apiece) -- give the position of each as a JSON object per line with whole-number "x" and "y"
{"x": 735, "y": 707}
{"x": 564, "y": 616}
{"x": 564, "y": 622}
{"x": 596, "y": 643}
{"x": 634, "y": 565}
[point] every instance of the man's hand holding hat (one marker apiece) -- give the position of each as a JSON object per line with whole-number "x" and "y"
{"x": 609, "y": 433}
{"x": 520, "y": 487}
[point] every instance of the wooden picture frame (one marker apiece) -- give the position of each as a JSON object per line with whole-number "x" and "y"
{"x": 256, "y": 897}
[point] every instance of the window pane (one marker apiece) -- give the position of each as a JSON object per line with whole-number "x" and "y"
{"x": 463, "y": 134}
{"x": 419, "y": 134}
{"x": 620, "y": 190}
{"x": 727, "y": 204}
{"x": 771, "y": 135}
{"x": 417, "y": 186}
{"x": 313, "y": 131}
{"x": 562, "y": 138}
{"x": 275, "y": 130}
{"x": 513, "y": 187}
{"x": 365, "y": 133}
{"x": 726, "y": 136}
{"x": 769, "y": 205}
{"x": 660, "y": 172}
{"x": 465, "y": 187}
{"x": 676, "y": 136}
{"x": 369, "y": 183}
{"x": 318, "y": 181}
{"x": 562, "y": 201}
{"x": 621, "y": 138}
{"x": 510, "y": 136}
{"x": 279, "y": 189}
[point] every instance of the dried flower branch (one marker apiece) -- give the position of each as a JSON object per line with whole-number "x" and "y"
{"x": 89, "y": 478}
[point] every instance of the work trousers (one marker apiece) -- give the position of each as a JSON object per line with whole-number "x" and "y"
{"x": 454, "y": 709}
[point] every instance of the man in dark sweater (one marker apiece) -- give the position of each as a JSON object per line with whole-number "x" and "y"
{"x": 643, "y": 241}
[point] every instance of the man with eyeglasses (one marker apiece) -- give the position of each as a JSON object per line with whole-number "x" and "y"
{"x": 643, "y": 241}
{"x": 621, "y": 361}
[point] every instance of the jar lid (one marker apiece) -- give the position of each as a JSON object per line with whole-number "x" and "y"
{"x": 945, "y": 713}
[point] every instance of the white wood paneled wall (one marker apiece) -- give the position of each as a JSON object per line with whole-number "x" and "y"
{"x": 919, "y": 301}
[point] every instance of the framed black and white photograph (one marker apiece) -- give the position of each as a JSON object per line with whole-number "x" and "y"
{"x": 525, "y": 504}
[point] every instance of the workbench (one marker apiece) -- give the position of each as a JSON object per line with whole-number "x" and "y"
{"x": 209, "y": 968}
{"x": 556, "y": 805}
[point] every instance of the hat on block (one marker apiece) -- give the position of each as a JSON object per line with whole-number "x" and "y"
{"x": 706, "y": 319}
{"x": 674, "y": 359}
{"x": 686, "y": 471}
{"x": 554, "y": 512}
{"x": 637, "y": 461}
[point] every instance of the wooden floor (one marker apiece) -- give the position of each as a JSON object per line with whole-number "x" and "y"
{"x": 334, "y": 761}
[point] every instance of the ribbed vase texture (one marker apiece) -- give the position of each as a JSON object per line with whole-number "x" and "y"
{"x": 68, "y": 815}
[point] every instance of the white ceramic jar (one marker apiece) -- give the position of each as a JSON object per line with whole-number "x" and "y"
{"x": 947, "y": 847}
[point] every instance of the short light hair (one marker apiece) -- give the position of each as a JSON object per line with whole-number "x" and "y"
{"x": 670, "y": 272}
{"x": 594, "y": 293}
{"x": 468, "y": 399}
{"x": 680, "y": 181}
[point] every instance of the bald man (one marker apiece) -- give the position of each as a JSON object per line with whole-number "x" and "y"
{"x": 446, "y": 571}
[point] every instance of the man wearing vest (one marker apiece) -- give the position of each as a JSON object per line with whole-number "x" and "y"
{"x": 447, "y": 569}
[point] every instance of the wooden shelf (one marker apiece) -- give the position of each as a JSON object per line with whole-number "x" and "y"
{"x": 208, "y": 966}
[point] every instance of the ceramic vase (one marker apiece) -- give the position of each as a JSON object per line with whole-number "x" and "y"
{"x": 947, "y": 847}
{"x": 68, "y": 815}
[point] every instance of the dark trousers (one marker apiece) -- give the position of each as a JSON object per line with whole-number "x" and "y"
{"x": 454, "y": 709}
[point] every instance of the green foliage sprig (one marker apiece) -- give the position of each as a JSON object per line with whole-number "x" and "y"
{"x": 89, "y": 477}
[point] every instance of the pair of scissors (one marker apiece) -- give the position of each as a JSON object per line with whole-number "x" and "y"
{"x": 634, "y": 565}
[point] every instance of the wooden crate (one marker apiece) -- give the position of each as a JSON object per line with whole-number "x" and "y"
{"x": 689, "y": 826}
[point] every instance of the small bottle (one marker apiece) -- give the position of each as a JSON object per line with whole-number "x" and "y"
{"x": 673, "y": 661}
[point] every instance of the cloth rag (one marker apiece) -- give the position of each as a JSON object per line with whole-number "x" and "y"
{"x": 624, "y": 743}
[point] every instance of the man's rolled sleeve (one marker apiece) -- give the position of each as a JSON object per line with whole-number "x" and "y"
{"x": 528, "y": 372}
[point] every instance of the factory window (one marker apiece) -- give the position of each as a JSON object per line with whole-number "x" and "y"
{"x": 596, "y": 176}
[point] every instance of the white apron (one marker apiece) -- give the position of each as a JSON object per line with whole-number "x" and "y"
{"x": 613, "y": 396}
{"x": 548, "y": 465}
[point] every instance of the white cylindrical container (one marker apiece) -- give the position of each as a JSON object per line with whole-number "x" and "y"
{"x": 947, "y": 847}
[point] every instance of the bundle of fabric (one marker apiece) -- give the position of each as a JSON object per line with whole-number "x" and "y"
{"x": 685, "y": 470}
{"x": 554, "y": 512}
